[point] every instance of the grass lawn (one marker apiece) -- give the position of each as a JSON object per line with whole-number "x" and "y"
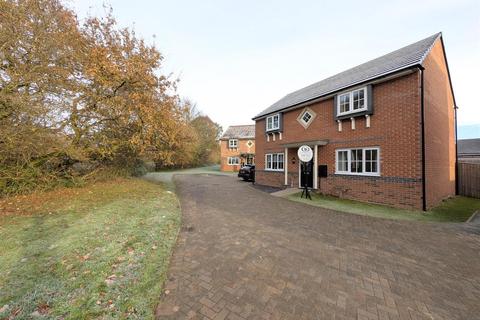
{"x": 457, "y": 209}
{"x": 101, "y": 251}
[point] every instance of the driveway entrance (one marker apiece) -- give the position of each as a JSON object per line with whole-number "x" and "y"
{"x": 243, "y": 254}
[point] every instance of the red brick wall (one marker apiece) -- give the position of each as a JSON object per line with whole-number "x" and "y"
{"x": 439, "y": 128}
{"x": 226, "y": 152}
{"x": 394, "y": 128}
{"x": 273, "y": 178}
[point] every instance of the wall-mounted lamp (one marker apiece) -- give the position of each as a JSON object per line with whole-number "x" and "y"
{"x": 293, "y": 160}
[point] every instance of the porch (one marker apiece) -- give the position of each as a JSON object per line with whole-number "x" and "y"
{"x": 293, "y": 167}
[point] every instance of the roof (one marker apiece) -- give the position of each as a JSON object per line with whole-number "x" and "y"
{"x": 406, "y": 57}
{"x": 469, "y": 147}
{"x": 239, "y": 132}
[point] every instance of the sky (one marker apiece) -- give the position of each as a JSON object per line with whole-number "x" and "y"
{"x": 236, "y": 58}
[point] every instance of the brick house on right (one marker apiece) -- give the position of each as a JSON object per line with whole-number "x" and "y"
{"x": 384, "y": 130}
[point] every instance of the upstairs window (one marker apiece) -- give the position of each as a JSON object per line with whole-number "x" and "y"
{"x": 273, "y": 122}
{"x": 344, "y": 103}
{"x": 306, "y": 117}
{"x": 351, "y": 102}
{"x": 233, "y": 143}
{"x": 358, "y": 99}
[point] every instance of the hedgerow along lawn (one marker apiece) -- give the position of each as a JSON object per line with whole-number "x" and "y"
{"x": 101, "y": 251}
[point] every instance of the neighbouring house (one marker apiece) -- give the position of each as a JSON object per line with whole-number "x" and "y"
{"x": 468, "y": 150}
{"x": 381, "y": 132}
{"x": 237, "y": 147}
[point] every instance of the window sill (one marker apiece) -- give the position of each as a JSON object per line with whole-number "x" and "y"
{"x": 275, "y": 170}
{"x": 351, "y": 112}
{"x": 357, "y": 174}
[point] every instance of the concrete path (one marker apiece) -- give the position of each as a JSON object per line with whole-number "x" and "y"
{"x": 167, "y": 176}
{"x": 286, "y": 192}
{"x": 243, "y": 254}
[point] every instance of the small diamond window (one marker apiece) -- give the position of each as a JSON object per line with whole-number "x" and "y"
{"x": 249, "y": 143}
{"x": 306, "y": 117}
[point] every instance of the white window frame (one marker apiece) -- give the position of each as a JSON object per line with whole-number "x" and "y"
{"x": 271, "y": 119}
{"x": 271, "y": 165}
{"x": 349, "y": 162}
{"x": 350, "y": 104}
{"x": 233, "y": 163}
{"x": 337, "y": 161}
{"x": 232, "y": 143}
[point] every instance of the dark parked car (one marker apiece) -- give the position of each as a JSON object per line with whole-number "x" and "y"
{"x": 247, "y": 172}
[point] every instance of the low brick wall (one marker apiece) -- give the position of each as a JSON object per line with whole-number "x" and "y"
{"x": 224, "y": 166}
{"x": 398, "y": 192}
{"x": 393, "y": 191}
{"x": 270, "y": 178}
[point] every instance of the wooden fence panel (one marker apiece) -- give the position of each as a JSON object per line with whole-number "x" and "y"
{"x": 469, "y": 179}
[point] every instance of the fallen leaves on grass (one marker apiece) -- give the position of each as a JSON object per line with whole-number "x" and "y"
{"x": 43, "y": 309}
{"x": 50, "y": 202}
{"x": 110, "y": 280}
{"x": 101, "y": 255}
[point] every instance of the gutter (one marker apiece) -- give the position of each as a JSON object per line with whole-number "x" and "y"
{"x": 455, "y": 108}
{"x": 422, "y": 113}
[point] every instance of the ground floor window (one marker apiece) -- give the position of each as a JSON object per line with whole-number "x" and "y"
{"x": 233, "y": 161}
{"x": 361, "y": 161}
{"x": 274, "y": 161}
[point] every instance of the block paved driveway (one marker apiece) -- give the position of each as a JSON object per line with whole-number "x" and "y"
{"x": 243, "y": 254}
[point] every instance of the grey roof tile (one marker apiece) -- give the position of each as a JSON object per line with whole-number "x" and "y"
{"x": 469, "y": 147}
{"x": 239, "y": 132}
{"x": 405, "y": 57}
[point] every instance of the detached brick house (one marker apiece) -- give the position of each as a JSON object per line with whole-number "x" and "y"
{"x": 385, "y": 130}
{"x": 237, "y": 147}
